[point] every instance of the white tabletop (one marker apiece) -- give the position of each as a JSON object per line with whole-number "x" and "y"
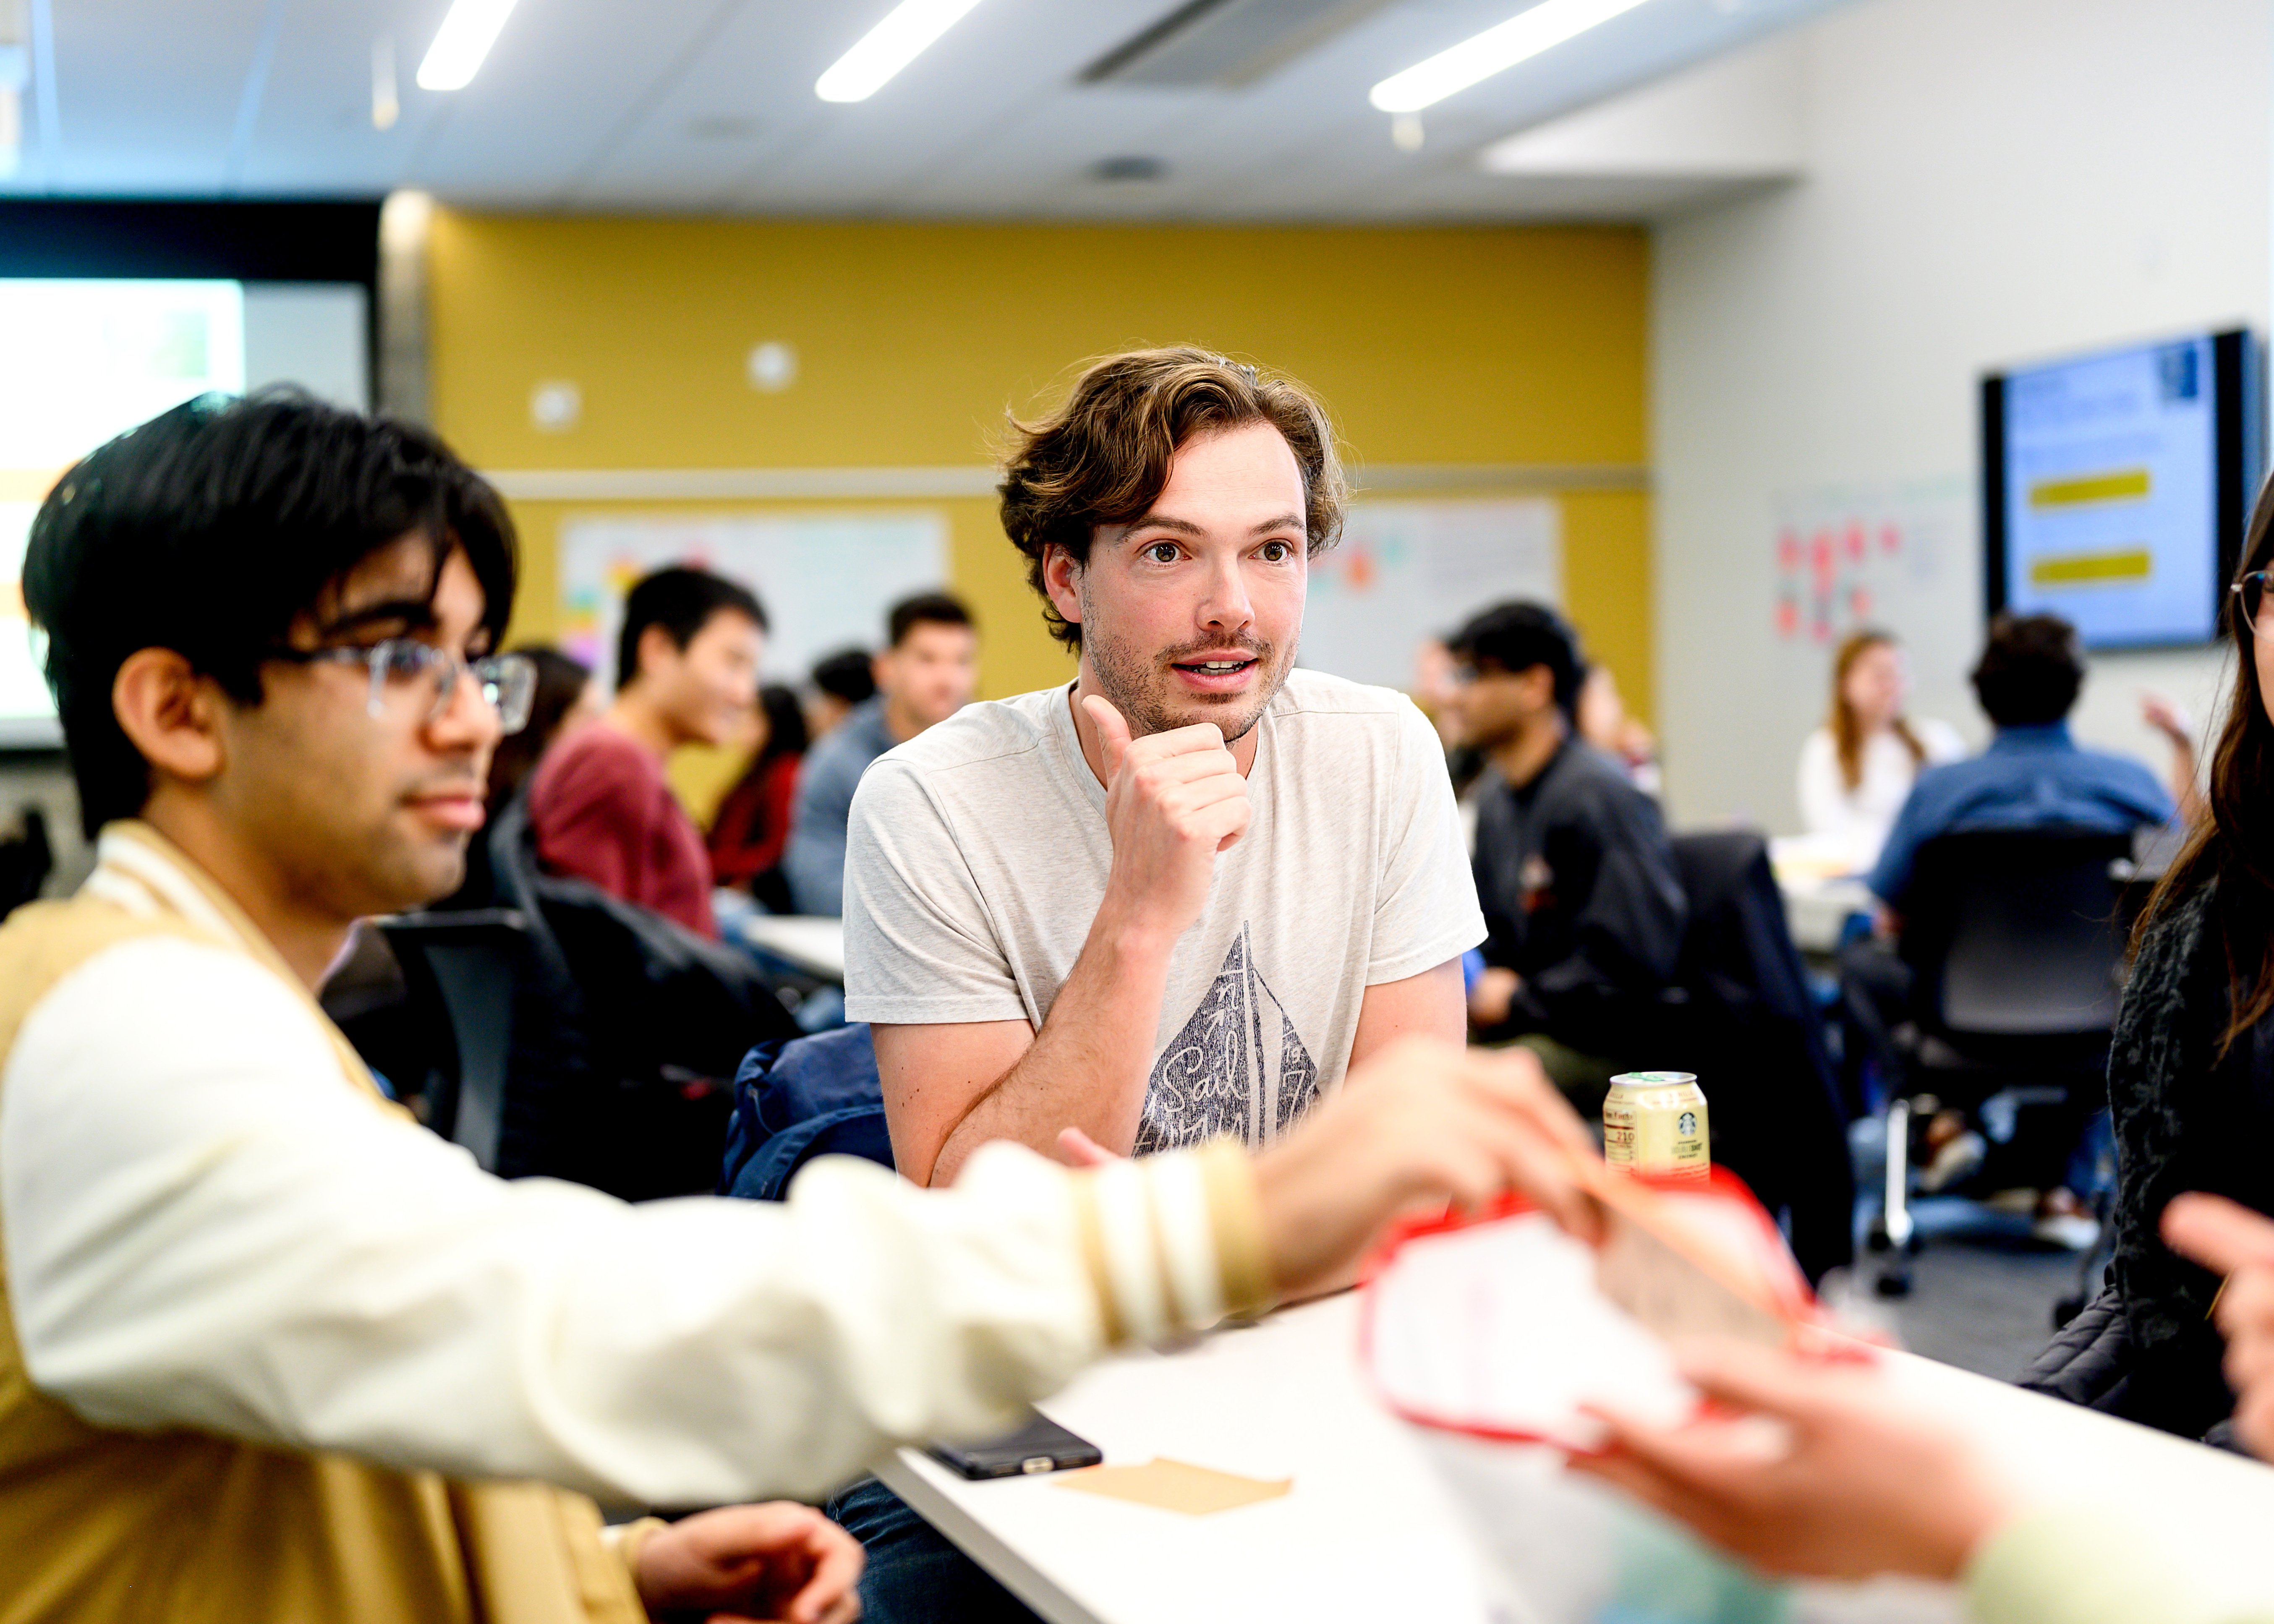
{"x": 813, "y": 942}
{"x": 1371, "y": 1530}
{"x": 1365, "y": 1533}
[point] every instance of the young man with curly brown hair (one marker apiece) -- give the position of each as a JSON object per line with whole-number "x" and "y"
{"x": 1176, "y": 898}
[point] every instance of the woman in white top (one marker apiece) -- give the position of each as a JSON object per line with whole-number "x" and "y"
{"x": 1856, "y": 769}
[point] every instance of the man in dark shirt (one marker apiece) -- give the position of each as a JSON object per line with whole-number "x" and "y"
{"x": 1581, "y": 900}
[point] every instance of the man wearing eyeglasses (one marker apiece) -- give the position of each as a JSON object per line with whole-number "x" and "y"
{"x": 686, "y": 673}
{"x": 269, "y": 1352}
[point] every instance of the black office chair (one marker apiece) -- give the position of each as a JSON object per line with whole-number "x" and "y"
{"x": 587, "y": 1039}
{"x": 1742, "y": 1019}
{"x": 2014, "y": 940}
{"x": 466, "y": 964}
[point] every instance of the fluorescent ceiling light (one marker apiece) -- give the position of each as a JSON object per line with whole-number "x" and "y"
{"x": 1524, "y": 35}
{"x": 885, "y": 49}
{"x": 460, "y": 44}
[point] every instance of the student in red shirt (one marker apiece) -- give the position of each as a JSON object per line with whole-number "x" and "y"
{"x": 751, "y": 826}
{"x": 686, "y": 673}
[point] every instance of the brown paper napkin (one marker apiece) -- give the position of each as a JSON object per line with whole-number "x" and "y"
{"x": 1175, "y": 1486}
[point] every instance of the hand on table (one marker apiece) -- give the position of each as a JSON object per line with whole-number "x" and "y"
{"x": 1173, "y": 800}
{"x": 2233, "y": 1241}
{"x": 1420, "y": 1121}
{"x": 1862, "y": 1483}
{"x": 776, "y": 1561}
{"x": 1493, "y": 997}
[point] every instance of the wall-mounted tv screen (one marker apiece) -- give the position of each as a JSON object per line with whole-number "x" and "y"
{"x": 86, "y": 359}
{"x": 2116, "y": 486}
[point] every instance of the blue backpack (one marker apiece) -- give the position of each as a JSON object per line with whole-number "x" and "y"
{"x": 801, "y": 1098}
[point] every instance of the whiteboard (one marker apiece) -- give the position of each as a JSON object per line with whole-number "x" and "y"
{"x": 826, "y": 579}
{"x": 1406, "y": 572}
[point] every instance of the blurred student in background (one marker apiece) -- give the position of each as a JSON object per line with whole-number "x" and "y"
{"x": 1604, "y": 721}
{"x": 567, "y": 698}
{"x": 928, "y": 672}
{"x": 686, "y": 673}
{"x": 1582, "y": 902}
{"x": 751, "y": 827}
{"x": 841, "y": 682}
{"x": 1856, "y": 768}
{"x": 2032, "y": 776}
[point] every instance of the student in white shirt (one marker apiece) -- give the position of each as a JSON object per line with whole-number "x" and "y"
{"x": 1856, "y": 769}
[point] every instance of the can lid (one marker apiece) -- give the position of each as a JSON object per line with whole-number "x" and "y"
{"x": 1653, "y": 1079}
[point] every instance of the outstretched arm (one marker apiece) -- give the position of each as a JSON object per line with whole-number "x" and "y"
{"x": 2179, "y": 729}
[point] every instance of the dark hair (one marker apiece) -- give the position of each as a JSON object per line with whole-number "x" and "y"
{"x": 1103, "y": 458}
{"x": 2231, "y": 848}
{"x": 682, "y": 600}
{"x": 560, "y": 683}
{"x": 209, "y": 530}
{"x": 849, "y": 674}
{"x": 1517, "y": 636}
{"x": 786, "y": 730}
{"x": 924, "y": 609}
{"x": 2030, "y": 671}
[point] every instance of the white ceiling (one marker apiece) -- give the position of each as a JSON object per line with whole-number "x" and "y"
{"x": 708, "y": 105}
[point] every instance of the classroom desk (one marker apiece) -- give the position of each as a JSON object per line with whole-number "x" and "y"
{"x": 814, "y": 943}
{"x": 1817, "y": 910}
{"x": 1371, "y": 1530}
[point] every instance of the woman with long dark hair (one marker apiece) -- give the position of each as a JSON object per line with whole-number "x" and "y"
{"x": 752, "y": 824}
{"x": 2191, "y": 1072}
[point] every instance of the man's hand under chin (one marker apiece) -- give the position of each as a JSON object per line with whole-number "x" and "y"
{"x": 1173, "y": 800}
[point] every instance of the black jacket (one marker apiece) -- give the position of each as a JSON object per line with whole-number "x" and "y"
{"x": 2185, "y": 1120}
{"x": 1581, "y": 900}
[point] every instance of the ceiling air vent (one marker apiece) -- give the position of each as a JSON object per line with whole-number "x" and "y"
{"x": 1226, "y": 44}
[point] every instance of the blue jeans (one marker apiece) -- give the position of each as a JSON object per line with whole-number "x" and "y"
{"x": 915, "y": 1575}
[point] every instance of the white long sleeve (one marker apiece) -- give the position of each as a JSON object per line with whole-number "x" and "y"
{"x": 207, "y": 1225}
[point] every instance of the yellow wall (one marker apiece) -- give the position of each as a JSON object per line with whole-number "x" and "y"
{"x": 1441, "y": 345}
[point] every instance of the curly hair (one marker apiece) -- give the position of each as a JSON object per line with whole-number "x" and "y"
{"x": 1102, "y": 456}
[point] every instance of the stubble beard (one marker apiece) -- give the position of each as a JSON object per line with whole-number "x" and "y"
{"x": 1137, "y": 683}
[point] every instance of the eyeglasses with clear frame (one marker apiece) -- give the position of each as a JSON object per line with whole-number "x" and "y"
{"x": 2250, "y": 593}
{"x": 506, "y": 682}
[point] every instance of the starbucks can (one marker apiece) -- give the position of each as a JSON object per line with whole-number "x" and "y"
{"x": 1655, "y": 1123}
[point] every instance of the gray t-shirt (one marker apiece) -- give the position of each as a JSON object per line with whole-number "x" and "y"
{"x": 979, "y": 855}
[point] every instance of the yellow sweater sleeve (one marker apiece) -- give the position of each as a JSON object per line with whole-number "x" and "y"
{"x": 2064, "y": 1565}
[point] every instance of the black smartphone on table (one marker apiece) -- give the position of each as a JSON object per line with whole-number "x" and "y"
{"x": 1040, "y": 1446}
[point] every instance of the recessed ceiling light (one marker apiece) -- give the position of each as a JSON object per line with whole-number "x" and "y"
{"x": 1521, "y": 37}
{"x": 885, "y": 49}
{"x": 461, "y": 43}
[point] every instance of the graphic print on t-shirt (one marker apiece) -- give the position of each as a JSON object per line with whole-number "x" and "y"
{"x": 1236, "y": 1065}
